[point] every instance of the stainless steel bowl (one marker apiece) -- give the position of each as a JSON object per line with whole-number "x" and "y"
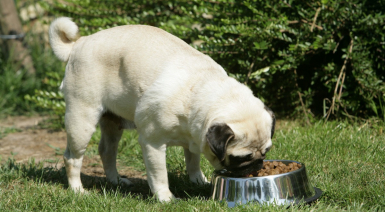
{"x": 280, "y": 189}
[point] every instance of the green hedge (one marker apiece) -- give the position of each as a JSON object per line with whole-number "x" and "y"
{"x": 314, "y": 58}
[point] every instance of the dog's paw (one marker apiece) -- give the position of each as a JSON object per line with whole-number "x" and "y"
{"x": 119, "y": 181}
{"x": 76, "y": 185}
{"x": 199, "y": 178}
{"x": 78, "y": 189}
{"x": 165, "y": 196}
{"x": 125, "y": 182}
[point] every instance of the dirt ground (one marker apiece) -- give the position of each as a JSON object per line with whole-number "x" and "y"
{"x": 25, "y": 140}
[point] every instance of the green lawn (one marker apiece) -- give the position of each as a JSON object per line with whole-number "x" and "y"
{"x": 346, "y": 161}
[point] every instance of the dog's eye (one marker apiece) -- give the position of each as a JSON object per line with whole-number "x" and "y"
{"x": 240, "y": 159}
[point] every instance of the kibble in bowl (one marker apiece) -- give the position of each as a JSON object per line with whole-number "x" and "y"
{"x": 275, "y": 167}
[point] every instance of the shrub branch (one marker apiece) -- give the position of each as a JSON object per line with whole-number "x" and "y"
{"x": 341, "y": 75}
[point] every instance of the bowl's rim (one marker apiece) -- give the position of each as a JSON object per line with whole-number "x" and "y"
{"x": 217, "y": 174}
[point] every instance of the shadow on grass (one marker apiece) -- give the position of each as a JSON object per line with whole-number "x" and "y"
{"x": 180, "y": 185}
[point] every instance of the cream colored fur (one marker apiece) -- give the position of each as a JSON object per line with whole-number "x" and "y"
{"x": 63, "y": 33}
{"x": 170, "y": 91}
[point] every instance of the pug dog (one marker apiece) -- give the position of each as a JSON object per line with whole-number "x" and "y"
{"x": 142, "y": 77}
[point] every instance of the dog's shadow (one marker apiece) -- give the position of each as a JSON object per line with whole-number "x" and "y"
{"x": 179, "y": 183}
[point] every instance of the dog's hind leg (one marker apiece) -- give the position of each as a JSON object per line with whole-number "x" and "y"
{"x": 80, "y": 125}
{"x": 193, "y": 167}
{"x": 112, "y": 130}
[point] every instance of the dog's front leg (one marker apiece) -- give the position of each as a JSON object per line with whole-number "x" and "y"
{"x": 193, "y": 167}
{"x": 155, "y": 160}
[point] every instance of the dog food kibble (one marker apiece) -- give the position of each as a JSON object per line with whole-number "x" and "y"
{"x": 275, "y": 167}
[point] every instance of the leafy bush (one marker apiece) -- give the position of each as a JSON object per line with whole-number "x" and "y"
{"x": 45, "y": 94}
{"x": 316, "y": 58}
{"x": 16, "y": 82}
{"x": 323, "y": 56}
{"x": 13, "y": 85}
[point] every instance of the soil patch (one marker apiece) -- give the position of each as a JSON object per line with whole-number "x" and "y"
{"x": 22, "y": 139}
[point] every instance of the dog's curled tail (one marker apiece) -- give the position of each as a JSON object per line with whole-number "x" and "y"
{"x": 63, "y": 34}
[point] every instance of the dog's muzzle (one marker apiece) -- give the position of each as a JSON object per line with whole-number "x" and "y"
{"x": 241, "y": 171}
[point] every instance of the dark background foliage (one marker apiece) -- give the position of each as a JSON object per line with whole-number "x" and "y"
{"x": 303, "y": 58}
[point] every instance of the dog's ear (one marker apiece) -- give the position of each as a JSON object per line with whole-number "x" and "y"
{"x": 218, "y": 136}
{"x": 273, "y": 117}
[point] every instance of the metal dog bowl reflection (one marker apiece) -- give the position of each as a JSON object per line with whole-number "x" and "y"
{"x": 280, "y": 189}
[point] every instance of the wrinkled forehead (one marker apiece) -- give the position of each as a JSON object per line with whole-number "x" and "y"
{"x": 254, "y": 122}
{"x": 255, "y": 129}
{"x": 252, "y": 134}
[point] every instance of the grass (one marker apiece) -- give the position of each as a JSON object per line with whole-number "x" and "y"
{"x": 345, "y": 160}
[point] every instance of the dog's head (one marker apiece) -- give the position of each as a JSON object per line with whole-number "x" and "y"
{"x": 240, "y": 146}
